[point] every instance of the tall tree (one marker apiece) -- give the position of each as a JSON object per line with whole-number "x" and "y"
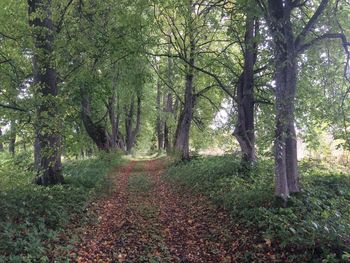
{"x": 168, "y": 104}
{"x": 130, "y": 131}
{"x": 48, "y": 142}
{"x": 244, "y": 129}
{"x": 192, "y": 30}
{"x": 182, "y": 135}
{"x": 287, "y": 49}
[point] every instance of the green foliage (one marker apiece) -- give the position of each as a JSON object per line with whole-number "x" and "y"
{"x": 32, "y": 217}
{"x": 315, "y": 225}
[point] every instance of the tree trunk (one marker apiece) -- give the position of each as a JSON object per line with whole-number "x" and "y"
{"x": 182, "y": 135}
{"x": 287, "y": 179}
{"x": 244, "y": 130}
{"x": 117, "y": 141}
{"x": 159, "y": 124}
{"x": 169, "y": 104}
{"x": 12, "y": 141}
{"x": 120, "y": 137}
{"x": 113, "y": 120}
{"x": 37, "y": 153}
{"x": 169, "y": 112}
{"x": 48, "y": 142}
{"x": 286, "y": 172}
{"x": 185, "y": 119}
{"x": 97, "y": 132}
{"x": 128, "y": 126}
{"x": 1, "y": 144}
{"x": 130, "y": 132}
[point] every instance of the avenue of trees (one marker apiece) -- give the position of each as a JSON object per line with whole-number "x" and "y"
{"x": 81, "y": 76}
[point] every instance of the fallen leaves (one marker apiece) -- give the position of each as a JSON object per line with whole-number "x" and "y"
{"x": 157, "y": 224}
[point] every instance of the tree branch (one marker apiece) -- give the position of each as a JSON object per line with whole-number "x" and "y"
{"x": 210, "y": 101}
{"x": 13, "y": 108}
{"x": 7, "y": 36}
{"x": 313, "y": 20}
{"x": 215, "y": 77}
{"x": 314, "y": 41}
{"x": 5, "y": 61}
{"x": 206, "y": 89}
{"x": 60, "y": 22}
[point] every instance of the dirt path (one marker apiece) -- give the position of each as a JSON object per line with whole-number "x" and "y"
{"x": 145, "y": 220}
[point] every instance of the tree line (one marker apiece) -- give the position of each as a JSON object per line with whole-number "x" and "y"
{"x": 80, "y": 75}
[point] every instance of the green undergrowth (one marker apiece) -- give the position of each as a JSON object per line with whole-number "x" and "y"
{"x": 33, "y": 218}
{"x": 314, "y": 227}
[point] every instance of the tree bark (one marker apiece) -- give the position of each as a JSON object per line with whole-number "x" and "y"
{"x": 120, "y": 137}
{"x": 47, "y": 142}
{"x": 113, "y": 120}
{"x": 287, "y": 48}
{"x": 182, "y": 135}
{"x": 117, "y": 140}
{"x": 130, "y": 132}
{"x": 12, "y": 139}
{"x": 169, "y": 111}
{"x": 168, "y": 106}
{"x": 244, "y": 130}
{"x": 185, "y": 119}
{"x": 97, "y": 132}
{"x": 159, "y": 124}
{"x": 1, "y": 144}
{"x": 286, "y": 172}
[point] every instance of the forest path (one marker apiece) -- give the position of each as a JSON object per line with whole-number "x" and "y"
{"x": 147, "y": 220}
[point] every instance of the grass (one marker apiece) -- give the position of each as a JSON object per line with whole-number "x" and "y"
{"x": 314, "y": 227}
{"x": 33, "y": 218}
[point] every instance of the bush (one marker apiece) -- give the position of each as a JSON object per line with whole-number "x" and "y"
{"x": 314, "y": 226}
{"x": 33, "y": 217}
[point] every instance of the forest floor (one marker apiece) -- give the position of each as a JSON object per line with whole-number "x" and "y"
{"x": 147, "y": 220}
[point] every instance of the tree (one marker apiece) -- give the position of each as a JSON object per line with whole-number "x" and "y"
{"x": 130, "y": 131}
{"x": 287, "y": 48}
{"x": 193, "y": 32}
{"x": 244, "y": 129}
{"x": 47, "y": 142}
